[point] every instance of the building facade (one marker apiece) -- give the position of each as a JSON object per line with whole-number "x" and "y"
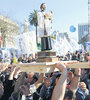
{"x": 83, "y": 33}
{"x": 9, "y": 29}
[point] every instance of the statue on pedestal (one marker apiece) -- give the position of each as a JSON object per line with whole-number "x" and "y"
{"x": 44, "y": 23}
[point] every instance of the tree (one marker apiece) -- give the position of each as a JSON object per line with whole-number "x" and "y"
{"x": 3, "y": 26}
{"x": 33, "y": 21}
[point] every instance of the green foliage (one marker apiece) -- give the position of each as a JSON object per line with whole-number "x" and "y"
{"x": 4, "y": 28}
{"x": 38, "y": 46}
{"x": 33, "y": 21}
{"x": 33, "y": 18}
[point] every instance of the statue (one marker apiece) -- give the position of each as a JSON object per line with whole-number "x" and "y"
{"x": 26, "y": 26}
{"x": 44, "y": 23}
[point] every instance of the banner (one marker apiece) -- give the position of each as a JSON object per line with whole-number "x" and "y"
{"x": 26, "y": 43}
{"x": 62, "y": 46}
{"x": 74, "y": 45}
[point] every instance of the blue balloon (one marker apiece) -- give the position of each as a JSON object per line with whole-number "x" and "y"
{"x": 72, "y": 28}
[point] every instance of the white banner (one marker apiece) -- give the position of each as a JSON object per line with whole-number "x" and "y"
{"x": 62, "y": 46}
{"x": 26, "y": 42}
{"x": 74, "y": 45}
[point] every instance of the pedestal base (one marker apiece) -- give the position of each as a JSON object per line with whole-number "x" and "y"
{"x": 46, "y": 53}
{"x": 47, "y": 56}
{"x": 53, "y": 59}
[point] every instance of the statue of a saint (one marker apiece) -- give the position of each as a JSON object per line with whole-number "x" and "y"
{"x": 44, "y": 23}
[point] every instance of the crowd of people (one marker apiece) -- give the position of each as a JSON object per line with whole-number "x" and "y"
{"x": 65, "y": 84}
{"x": 79, "y": 56}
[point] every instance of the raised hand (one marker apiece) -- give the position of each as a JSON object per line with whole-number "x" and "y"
{"x": 61, "y": 67}
{"x": 77, "y": 71}
{"x": 16, "y": 73}
{"x": 13, "y": 69}
{"x": 82, "y": 85}
{"x": 3, "y": 66}
{"x": 12, "y": 72}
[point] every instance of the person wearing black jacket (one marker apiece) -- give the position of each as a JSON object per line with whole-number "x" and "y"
{"x": 8, "y": 89}
{"x": 9, "y": 83}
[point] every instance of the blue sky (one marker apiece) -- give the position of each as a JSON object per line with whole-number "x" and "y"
{"x": 65, "y": 12}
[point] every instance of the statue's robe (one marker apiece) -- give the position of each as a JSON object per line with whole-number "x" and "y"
{"x": 44, "y": 24}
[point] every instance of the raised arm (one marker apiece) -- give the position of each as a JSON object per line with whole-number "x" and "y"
{"x": 59, "y": 90}
{"x": 75, "y": 81}
{"x": 40, "y": 80}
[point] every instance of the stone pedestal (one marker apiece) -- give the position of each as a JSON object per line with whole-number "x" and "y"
{"x": 47, "y": 56}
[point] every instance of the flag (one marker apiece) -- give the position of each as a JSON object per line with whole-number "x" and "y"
{"x": 74, "y": 45}
{"x": 26, "y": 43}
